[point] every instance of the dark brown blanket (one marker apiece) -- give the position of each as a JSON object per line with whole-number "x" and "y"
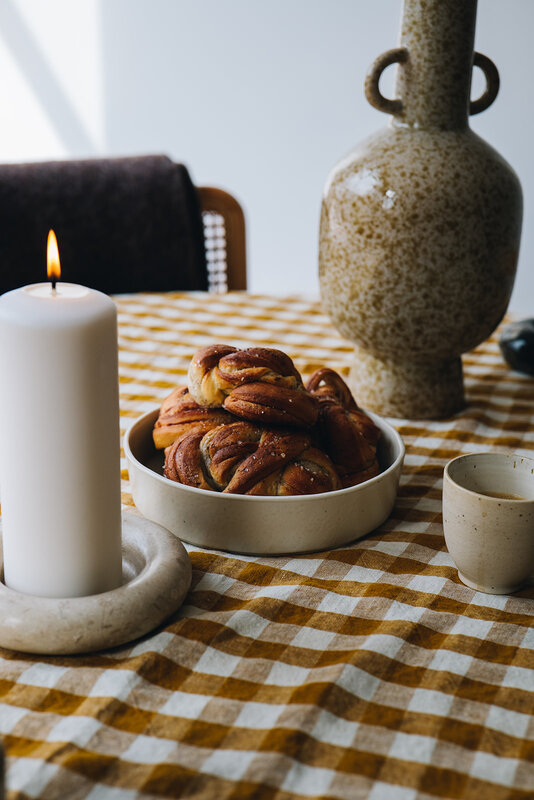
{"x": 123, "y": 225}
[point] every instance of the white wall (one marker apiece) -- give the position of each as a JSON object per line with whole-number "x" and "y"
{"x": 261, "y": 98}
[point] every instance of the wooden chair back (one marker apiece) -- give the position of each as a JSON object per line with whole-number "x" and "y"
{"x": 224, "y": 236}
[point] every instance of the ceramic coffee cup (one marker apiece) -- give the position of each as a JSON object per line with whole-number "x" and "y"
{"x": 488, "y": 520}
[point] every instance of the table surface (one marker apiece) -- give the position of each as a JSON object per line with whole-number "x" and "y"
{"x": 368, "y": 671}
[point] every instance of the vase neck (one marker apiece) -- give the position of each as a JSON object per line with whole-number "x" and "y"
{"x": 435, "y": 82}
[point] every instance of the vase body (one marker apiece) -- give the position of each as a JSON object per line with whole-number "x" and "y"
{"x": 420, "y": 225}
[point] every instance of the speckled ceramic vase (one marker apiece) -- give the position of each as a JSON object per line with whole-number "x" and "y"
{"x": 420, "y": 224}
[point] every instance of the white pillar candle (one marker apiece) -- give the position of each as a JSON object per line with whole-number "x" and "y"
{"x": 59, "y": 441}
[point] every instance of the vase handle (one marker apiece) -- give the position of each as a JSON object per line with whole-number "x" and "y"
{"x": 373, "y": 94}
{"x": 491, "y": 73}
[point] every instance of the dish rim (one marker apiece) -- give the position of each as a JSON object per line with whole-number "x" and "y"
{"x": 379, "y": 421}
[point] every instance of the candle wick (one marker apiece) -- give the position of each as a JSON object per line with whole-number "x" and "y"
{"x": 53, "y": 285}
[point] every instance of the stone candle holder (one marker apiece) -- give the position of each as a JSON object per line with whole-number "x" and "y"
{"x": 156, "y": 578}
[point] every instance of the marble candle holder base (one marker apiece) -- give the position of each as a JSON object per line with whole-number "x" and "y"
{"x": 156, "y": 577}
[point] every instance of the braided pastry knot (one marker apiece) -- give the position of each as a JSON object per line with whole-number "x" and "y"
{"x": 242, "y": 458}
{"x": 180, "y": 415}
{"x": 347, "y": 434}
{"x": 259, "y": 384}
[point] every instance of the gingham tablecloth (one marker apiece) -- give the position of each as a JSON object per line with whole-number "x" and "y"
{"x": 368, "y": 671}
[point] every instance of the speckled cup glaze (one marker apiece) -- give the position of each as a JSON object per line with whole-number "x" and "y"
{"x": 488, "y": 520}
{"x": 420, "y": 224}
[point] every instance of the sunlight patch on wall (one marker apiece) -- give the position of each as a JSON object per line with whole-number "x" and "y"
{"x": 51, "y": 86}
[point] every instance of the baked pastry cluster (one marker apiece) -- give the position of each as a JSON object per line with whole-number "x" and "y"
{"x": 246, "y": 424}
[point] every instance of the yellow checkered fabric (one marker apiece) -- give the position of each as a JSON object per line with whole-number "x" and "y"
{"x": 368, "y": 671}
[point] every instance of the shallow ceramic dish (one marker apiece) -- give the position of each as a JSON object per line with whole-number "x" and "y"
{"x": 261, "y": 525}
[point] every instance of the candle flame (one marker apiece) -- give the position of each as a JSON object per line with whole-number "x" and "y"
{"x": 53, "y": 268}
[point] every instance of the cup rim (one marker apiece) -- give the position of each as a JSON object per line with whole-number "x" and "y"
{"x": 503, "y": 456}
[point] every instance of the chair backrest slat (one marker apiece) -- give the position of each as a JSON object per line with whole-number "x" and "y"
{"x": 123, "y": 224}
{"x": 224, "y": 232}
